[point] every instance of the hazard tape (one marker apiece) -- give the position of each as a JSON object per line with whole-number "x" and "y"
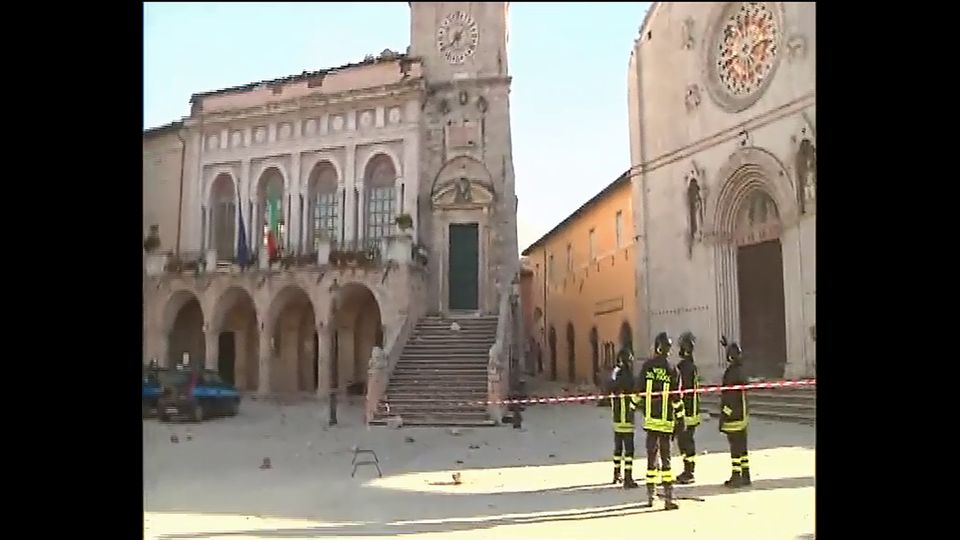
{"x": 594, "y": 397}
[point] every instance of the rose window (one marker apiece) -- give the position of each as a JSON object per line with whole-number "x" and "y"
{"x": 747, "y": 48}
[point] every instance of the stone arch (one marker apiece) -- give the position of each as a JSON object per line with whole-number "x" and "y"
{"x": 182, "y": 328}
{"x": 323, "y": 206}
{"x": 356, "y": 321}
{"x": 378, "y": 150}
{"x": 211, "y": 176}
{"x": 235, "y": 334}
{"x": 462, "y": 166}
{"x": 316, "y": 160}
{"x": 746, "y": 170}
{"x": 291, "y": 354}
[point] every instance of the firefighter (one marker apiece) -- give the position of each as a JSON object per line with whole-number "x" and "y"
{"x": 689, "y": 380}
{"x": 661, "y": 410}
{"x": 623, "y": 407}
{"x": 734, "y": 417}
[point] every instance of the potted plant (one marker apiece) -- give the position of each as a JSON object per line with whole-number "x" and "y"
{"x": 404, "y": 221}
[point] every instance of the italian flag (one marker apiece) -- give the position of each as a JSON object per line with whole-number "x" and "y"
{"x": 273, "y": 223}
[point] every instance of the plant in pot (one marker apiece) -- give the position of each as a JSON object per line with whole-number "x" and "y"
{"x": 404, "y": 222}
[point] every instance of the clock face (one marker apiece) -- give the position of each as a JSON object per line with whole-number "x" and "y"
{"x": 457, "y": 37}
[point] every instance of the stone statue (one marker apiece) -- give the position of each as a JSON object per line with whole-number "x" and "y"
{"x": 463, "y": 194}
{"x": 806, "y": 174}
{"x": 694, "y": 213}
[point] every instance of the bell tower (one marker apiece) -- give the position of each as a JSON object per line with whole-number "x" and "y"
{"x": 467, "y": 199}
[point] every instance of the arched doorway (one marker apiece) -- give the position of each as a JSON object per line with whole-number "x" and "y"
{"x": 571, "y": 354}
{"x": 270, "y": 230}
{"x": 223, "y": 219}
{"x": 323, "y": 205}
{"x": 183, "y": 330}
{"x": 626, "y": 336}
{"x": 357, "y": 329}
{"x": 759, "y": 263}
{"x": 553, "y": 353}
{"x": 595, "y": 355}
{"x": 238, "y": 339}
{"x": 292, "y": 353}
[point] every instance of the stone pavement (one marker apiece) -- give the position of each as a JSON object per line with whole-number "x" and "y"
{"x": 547, "y": 480}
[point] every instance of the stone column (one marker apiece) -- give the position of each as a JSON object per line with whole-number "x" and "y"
{"x": 349, "y": 183}
{"x": 265, "y": 358}
{"x": 293, "y": 231}
{"x": 324, "y": 342}
{"x": 245, "y": 183}
{"x": 361, "y": 213}
{"x": 212, "y": 344}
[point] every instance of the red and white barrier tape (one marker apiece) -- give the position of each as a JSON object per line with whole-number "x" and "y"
{"x": 592, "y": 397}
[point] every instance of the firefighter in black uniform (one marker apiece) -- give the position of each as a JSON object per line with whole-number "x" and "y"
{"x": 733, "y": 417}
{"x": 623, "y": 406}
{"x": 660, "y": 410}
{"x": 689, "y": 380}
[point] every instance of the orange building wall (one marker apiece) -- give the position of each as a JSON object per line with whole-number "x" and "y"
{"x": 592, "y": 292}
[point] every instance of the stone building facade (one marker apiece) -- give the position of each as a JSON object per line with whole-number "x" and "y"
{"x": 722, "y": 108}
{"x": 579, "y": 296}
{"x": 424, "y": 134}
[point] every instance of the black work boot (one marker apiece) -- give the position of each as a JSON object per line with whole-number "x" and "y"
{"x": 745, "y": 477}
{"x": 616, "y": 475}
{"x": 668, "y": 497}
{"x": 651, "y": 491}
{"x": 686, "y": 477}
{"x": 735, "y": 481}
{"x": 628, "y": 482}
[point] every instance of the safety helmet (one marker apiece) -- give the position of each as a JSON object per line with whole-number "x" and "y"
{"x": 686, "y": 341}
{"x": 661, "y": 344}
{"x": 734, "y": 353}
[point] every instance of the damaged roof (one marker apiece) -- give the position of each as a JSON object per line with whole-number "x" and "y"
{"x": 621, "y": 180}
{"x": 165, "y": 127}
{"x": 307, "y": 75}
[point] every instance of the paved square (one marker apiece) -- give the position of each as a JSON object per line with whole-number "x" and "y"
{"x": 546, "y": 481}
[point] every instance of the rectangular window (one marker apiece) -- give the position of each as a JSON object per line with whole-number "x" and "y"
{"x": 380, "y": 214}
{"x": 619, "y": 228}
{"x": 593, "y": 244}
{"x": 325, "y": 213}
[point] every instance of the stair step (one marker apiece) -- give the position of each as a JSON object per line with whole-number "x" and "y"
{"x": 422, "y": 422}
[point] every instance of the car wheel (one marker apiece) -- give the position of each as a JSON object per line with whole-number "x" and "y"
{"x": 198, "y": 413}
{"x": 234, "y": 408}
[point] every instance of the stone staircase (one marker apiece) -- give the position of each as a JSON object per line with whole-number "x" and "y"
{"x": 798, "y": 405}
{"x": 439, "y": 368}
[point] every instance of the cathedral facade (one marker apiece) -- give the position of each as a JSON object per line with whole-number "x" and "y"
{"x": 722, "y": 108}
{"x": 321, "y": 215}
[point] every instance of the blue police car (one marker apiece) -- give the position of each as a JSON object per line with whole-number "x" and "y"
{"x": 196, "y": 395}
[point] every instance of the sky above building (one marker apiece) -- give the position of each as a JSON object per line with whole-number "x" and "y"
{"x": 568, "y": 100}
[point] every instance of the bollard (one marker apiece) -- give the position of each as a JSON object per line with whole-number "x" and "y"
{"x": 333, "y": 408}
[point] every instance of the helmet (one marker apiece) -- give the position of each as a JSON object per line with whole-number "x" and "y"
{"x": 624, "y": 357}
{"x": 734, "y": 353}
{"x": 661, "y": 344}
{"x": 686, "y": 342}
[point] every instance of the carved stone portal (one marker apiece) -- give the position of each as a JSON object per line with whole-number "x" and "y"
{"x": 462, "y": 193}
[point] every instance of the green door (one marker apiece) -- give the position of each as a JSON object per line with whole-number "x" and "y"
{"x": 464, "y": 266}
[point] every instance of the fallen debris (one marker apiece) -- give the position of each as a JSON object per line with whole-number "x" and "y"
{"x": 459, "y": 462}
{"x": 395, "y": 422}
{"x": 266, "y": 464}
{"x": 174, "y": 439}
{"x": 454, "y": 431}
{"x": 474, "y": 446}
{"x": 408, "y": 439}
{"x": 552, "y": 455}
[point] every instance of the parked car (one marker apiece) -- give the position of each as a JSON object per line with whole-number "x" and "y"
{"x": 197, "y": 395}
{"x": 150, "y": 391}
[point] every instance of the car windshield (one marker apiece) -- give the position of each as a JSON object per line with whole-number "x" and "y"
{"x": 174, "y": 378}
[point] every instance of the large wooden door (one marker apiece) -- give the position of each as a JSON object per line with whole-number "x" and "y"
{"x": 763, "y": 334}
{"x": 464, "y": 266}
